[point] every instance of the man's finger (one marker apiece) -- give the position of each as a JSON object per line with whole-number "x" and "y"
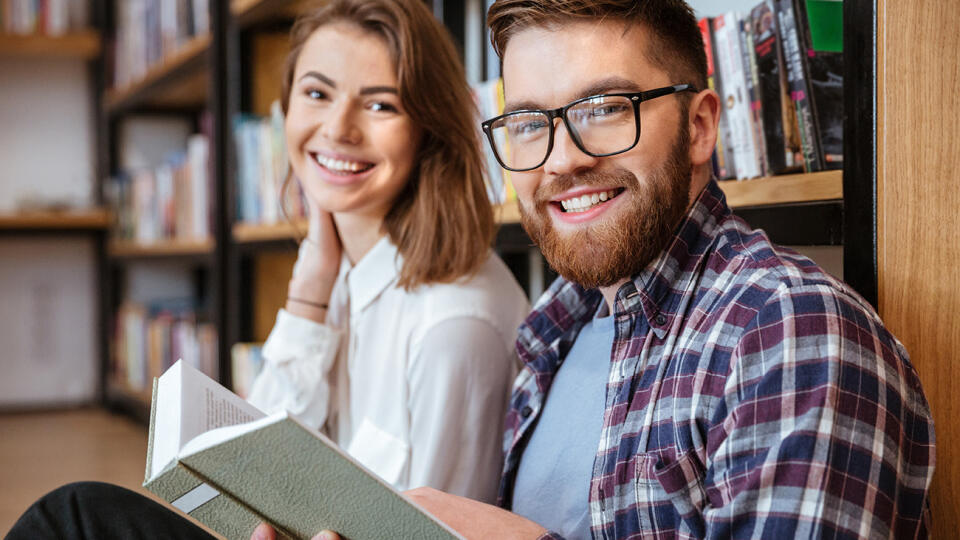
{"x": 263, "y": 532}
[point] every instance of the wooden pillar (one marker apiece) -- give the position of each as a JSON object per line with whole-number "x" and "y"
{"x": 918, "y": 230}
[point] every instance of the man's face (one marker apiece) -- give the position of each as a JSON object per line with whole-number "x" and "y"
{"x": 598, "y": 220}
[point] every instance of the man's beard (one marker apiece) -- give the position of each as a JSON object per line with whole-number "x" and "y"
{"x": 603, "y": 254}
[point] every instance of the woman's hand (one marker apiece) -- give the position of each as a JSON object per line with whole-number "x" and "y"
{"x": 318, "y": 263}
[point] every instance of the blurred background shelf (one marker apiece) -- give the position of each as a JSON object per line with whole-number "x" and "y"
{"x": 179, "y": 81}
{"x": 128, "y": 249}
{"x": 93, "y": 219}
{"x": 83, "y": 44}
{"x": 248, "y": 13}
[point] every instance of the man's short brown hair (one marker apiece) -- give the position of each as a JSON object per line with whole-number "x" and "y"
{"x": 675, "y": 43}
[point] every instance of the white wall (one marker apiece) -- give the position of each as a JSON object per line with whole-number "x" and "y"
{"x": 712, "y": 8}
{"x": 46, "y": 133}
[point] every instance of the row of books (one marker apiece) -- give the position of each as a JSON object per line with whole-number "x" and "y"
{"x": 488, "y": 96}
{"x": 148, "y": 339}
{"x": 782, "y": 91}
{"x": 47, "y": 17}
{"x": 262, "y": 166}
{"x": 147, "y": 31}
{"x": 170, "y": 202}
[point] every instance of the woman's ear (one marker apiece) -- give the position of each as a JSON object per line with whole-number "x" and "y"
{"x": 704, "y": 116}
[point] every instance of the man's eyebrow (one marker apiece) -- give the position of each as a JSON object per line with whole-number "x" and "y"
{"x": 599, "y": 87}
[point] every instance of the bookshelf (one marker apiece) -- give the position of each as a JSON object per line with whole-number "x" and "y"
{"x": 177, "y": 81}
{"x": 79, "y": 44}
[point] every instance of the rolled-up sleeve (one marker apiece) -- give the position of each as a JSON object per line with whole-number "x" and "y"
{"x": 298, "y": 358}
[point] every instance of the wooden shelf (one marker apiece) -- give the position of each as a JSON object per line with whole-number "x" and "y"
{"x": 179, "y": 81}
{"x": 785, "y": 189}
{"x": 82, "y": 44}
{"x": 249, "y": 233}
{"x": 128, "y": 249}
{"x": 93, "y": 219}
{"x": 250, "y": 12}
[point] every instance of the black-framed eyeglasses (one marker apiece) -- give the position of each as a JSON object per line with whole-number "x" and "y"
{"x": 601, "y": 125}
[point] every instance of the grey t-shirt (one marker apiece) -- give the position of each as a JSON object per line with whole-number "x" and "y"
{"x": 553, "y": 479}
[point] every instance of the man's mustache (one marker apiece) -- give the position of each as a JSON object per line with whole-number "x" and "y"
{"x": 614, "y": 178}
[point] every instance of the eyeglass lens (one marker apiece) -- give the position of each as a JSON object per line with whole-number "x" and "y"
{"x": 604, "y": 125}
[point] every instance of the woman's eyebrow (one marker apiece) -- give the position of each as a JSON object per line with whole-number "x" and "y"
{"x": 320, "y": 77}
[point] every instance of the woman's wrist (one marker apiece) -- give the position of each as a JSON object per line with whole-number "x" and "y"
{"x": 309, "y": 298}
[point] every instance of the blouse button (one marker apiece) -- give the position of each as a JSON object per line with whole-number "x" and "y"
{"x": 660, "y": 319}
{"x": 526, "y": 411}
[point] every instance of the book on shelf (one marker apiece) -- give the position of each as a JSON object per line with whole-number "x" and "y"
{"x": 262, "y": 167}
{"x": 216, "y": 457}
{"x": 798, "y": 84}
{"x": 43, "y": 17}
{"x": 147, "y": 31}
{"x": 820, "y": 25}
{"x": 169, "y": 202}
{"x": 779, "y": 118}
{"x": 735, "y": 99}
{"x": 149, "y": 338}
{"x": 246, "y": 361}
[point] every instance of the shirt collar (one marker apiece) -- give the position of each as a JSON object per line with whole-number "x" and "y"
{"x": 657, "y": 291}
{"x": 372, "y": 274}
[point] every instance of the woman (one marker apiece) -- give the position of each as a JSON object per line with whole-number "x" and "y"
{"x": 396, "y": 298}
{"x": 397, "y": 335}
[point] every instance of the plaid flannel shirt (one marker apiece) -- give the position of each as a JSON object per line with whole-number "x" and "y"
{"x": 749, "y": 395}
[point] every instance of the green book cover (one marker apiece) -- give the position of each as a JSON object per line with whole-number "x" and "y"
{"x": 273, "y": 469}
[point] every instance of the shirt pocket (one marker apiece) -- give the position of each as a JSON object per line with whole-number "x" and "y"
{"x": 670, "y": 495}
{"x": 379, "y": 451}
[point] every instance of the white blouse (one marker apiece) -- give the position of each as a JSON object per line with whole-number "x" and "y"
{"x": 413, "y": 384}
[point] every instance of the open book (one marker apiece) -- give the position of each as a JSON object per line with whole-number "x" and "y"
{"x": 230, "y": 466}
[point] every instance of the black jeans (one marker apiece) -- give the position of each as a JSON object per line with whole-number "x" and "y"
{"x": 96, "y": 510}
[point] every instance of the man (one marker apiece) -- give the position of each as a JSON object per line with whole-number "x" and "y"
{"x": 684, "y": 377}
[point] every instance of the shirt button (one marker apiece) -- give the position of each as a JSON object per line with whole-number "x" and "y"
{"x": 526, "y": 411}
{"x": 660, "y": 319}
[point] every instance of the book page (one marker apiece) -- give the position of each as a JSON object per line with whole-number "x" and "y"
{"x": 188, "y": 404}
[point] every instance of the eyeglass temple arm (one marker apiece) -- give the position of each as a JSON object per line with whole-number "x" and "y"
{"x": 677, "y": 88}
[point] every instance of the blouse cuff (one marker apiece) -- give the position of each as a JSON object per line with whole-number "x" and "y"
{"x": 296, "y": 337}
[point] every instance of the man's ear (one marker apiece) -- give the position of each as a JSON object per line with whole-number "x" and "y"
{"x": 704, "y": 116}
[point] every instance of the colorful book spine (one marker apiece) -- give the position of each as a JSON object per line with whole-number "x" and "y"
{"x": 824, "y": 60}
{"x": 775, "y": 104}
{"x": 799, "y": 87}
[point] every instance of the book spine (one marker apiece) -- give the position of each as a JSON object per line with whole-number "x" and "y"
{"x": 735, "y": 99}
{"x": 753, "y": 90}
{"x": 798, "y": 85}
{"x": 825, "y": 78}
{"x": 766, "y": 48}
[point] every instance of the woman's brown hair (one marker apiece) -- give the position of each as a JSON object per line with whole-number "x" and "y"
{"x": 442, "y": 221}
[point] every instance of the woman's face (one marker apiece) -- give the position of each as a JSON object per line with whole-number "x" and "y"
{"x": 350, "y": 141}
